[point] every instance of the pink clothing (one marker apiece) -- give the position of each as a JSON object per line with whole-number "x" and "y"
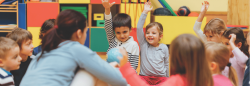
{"x": 221, "y": 80}
{"x": 134, "y": 80}
{"x": 238, "y": 63}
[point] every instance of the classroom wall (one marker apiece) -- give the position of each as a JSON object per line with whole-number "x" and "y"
{"x": 195, "y": 5}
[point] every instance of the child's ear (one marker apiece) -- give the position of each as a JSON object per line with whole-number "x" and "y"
{"x": 1, "y": 63}
{"x": 130, "y": 30}
{"x": 161, "y": 36}
{"x": 238, "y": 45}
{"x": 213, "y": 66}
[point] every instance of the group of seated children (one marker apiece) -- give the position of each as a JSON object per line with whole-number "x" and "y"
{"x": 217, "y": 58}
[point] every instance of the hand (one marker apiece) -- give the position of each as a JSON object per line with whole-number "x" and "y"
{"x": 147, "y": 7}
{"x": 205, "y": 6}
{"x": 232, "y": 38}
{"x": 123, "y": 60}
{"x": 114, "y": 64}
{"x": 106, "y": 4}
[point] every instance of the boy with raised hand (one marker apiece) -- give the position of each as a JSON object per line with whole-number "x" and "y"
{"x": 118, "y": 30}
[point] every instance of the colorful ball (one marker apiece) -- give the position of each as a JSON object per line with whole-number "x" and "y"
{"x": 113, "y": 55}
{"x": 183, "y": 11}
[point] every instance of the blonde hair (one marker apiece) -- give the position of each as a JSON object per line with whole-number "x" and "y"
{"x": 188, "y": 58}
{"x": 158, "y": 25}
{"x": 6, "y": 44}
{"x": 216, "y": 26}
{"x": 219, "y": 53}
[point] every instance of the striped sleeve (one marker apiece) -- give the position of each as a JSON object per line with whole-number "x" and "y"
{"x": 133, "y": 60}
{"x": 6, "y": 78}
{"x": 109, "y": 28}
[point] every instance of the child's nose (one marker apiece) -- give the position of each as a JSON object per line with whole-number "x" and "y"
{"x": 20, "y": 59}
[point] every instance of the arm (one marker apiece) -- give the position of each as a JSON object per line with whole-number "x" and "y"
{"x": 135, "y": 56}
{"x": 197, "y": 25}
{"x": 241, "y": 58}
{"x": 130, "y": 75}
{"x": 92, "y": 63}
{"x": 140, "y": 34}
{"x": 167, "y": 62}
{"x": 108, "y": 20}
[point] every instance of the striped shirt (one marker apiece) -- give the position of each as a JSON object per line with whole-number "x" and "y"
{"x": 130, "y": 45}
{"x": 6, "y": 78}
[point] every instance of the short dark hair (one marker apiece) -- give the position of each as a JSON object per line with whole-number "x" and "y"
{"x": 47, "y": 25}
{"x": 19, "y": 35}
{"x": 122, "y": 19}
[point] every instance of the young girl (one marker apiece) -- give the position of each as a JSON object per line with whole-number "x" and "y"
{"x": 234, "y": 39}
{"x": 154, "y": 56}
{"x": 213, "y": 29}
{"x": 188, "y": 65}
{"x": 63, "y": 52}
{"x": 218, "y": 57}
{"x": 47, "y": 25}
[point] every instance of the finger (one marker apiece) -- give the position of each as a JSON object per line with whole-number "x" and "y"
{"x": 208, "y": 3}
{"x": 102, "y": 0}
{"x": 112, "y": 4}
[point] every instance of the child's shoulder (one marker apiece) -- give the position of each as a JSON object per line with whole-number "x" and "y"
{"x": 4, "y": 73}
{"x": 163, "y": 46}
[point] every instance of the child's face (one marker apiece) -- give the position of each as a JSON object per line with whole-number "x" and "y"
{"x": 213, "y": 37}
{"x": 225, "y": 41}
{"x": 248, "y": 42}
{"x": 122, "y": 33}
{"x": 153, "y": 36}
{"x": 12, "y": 60}
{"x": 27, "y": 49}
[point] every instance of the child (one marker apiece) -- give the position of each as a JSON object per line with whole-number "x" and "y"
{"x": 154, "y": 55}
{"x": 218, "y": 57}
{"x": 9, "y": 60}
{"x": 121, "y": 25}
{"x": 213, "y": 29}
{"x": 47, "y": 25}
{"x": 246, "y": 81}
{"x": 24, "y": 40}
{"x": 188, "y": 65}
{"x": 234, "y": 39}
{"x": 63, "y": 52}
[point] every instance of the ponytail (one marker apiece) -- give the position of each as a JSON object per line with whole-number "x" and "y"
{"x": 233, "y": 76}
{"x": 50, "y": 41}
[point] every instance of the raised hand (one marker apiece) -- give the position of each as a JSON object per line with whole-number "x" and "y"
{"x": 205, "y": 6}
{"x": 106, "y": 4}
{"x": 147, "y": 7}
{"x": 232, "y": 39}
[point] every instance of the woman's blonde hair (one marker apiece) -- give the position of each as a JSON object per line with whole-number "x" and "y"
{"x": 219, "y": 53}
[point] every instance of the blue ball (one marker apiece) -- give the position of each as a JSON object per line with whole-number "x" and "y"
{"x": 113, "y": 55}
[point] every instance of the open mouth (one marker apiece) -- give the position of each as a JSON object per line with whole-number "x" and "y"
{"x": 150, "y": 38}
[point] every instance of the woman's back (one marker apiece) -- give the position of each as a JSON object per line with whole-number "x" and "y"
{"x": 57, "y": 67}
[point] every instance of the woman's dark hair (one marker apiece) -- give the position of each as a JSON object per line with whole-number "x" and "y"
{"x": 239, "y": 38}
{"x": 67, "y": 22}
{"x": 47, "y": 25}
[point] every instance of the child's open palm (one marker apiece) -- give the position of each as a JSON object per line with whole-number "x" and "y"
{"x": 147, "y": 7}
{"x": 205, "y": 6}
{"x": 106, "y": 4}
{"x": 232, "y": 38}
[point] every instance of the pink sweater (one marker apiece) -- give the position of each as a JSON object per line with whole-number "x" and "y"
{"x": 238, "y": 63}
{"x": 221, "y": 80}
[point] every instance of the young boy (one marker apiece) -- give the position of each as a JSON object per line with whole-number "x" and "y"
{"x": 121, "y": 25}
{"x": 24, "y": 39}
{"x": 9, "y": 60}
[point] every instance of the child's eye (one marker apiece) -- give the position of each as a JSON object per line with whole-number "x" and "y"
{"x": 125, "y": 32}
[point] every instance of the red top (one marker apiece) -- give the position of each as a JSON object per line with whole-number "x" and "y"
{"x": 134, "y": 80}
{"x": 221, "y": 80}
